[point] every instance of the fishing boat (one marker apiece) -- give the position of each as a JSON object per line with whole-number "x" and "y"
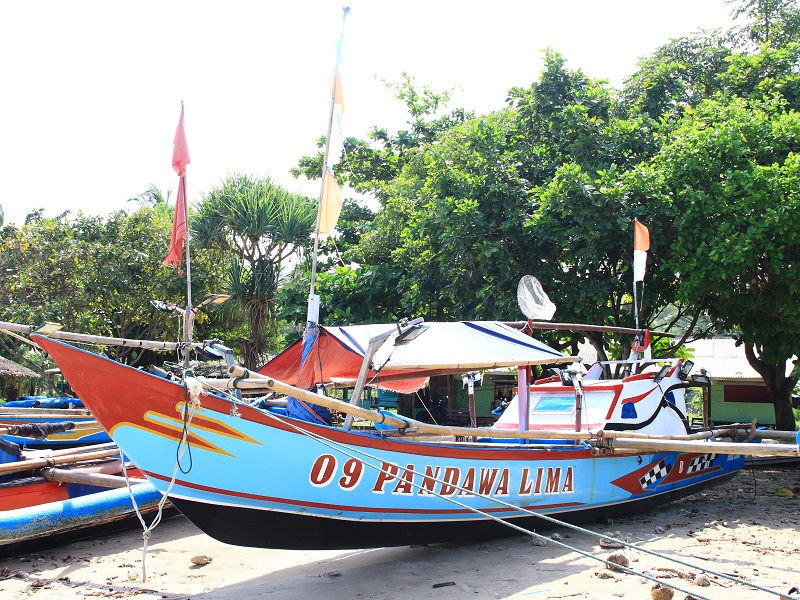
{"x": 49, "y": 422}
{"x": 575, "y": 446}
{"x": 49, "y": 498}
{"x": 264, "y": 479}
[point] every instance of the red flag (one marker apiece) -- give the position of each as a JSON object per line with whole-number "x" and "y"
{"x": 641, "y": 236}
{"x": 180, "y": 158}
{"x": 180, "y": 149}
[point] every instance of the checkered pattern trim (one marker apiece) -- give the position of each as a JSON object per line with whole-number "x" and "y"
{"x": 700, "y": 463}
{"x": 655, "y": 474}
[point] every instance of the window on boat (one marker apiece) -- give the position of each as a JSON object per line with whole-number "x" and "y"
{"x": 555, "y": 403}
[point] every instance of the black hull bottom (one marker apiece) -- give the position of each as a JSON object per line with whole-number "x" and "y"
{"x": 289, "y": 531}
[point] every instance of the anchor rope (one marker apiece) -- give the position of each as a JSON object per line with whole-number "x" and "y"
{"x": 191, "y": 393}
{"x": 351, "y": 452}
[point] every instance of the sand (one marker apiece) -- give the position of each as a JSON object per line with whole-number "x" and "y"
{"x": 747, "y": 528}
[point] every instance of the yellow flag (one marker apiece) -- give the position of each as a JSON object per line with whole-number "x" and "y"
{"x": 338, "y": 93}
{"x": 331, "y": 204}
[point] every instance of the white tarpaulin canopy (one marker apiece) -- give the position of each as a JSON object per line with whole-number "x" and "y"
{"x": 404, "y": 365}
{"x": 464, "y": 346}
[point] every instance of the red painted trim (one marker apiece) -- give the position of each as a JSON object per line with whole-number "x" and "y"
{"x": 365, "y": 509}
{"x": 639, "y": 376}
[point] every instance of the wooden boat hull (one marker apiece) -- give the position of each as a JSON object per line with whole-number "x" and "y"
{"x": 253, "y": 479}
{"x": 47, "y": 411}
{"x": 49, "y": 524}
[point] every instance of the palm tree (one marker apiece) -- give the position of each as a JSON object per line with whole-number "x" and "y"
{"x": 152, "y": 196}
{"x": 263, "y": 228}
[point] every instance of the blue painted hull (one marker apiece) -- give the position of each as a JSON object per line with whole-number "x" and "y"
{"x": 53, "y": 523}
{"x": 256, "y": 479}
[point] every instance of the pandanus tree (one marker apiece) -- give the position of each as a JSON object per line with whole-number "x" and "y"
{"x": 259, "y": 229}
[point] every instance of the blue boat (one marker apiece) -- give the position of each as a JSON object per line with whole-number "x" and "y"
{"x": 45, "y": 507}
{"x": 50, "y": 422}
{"x": 263, "y": 479}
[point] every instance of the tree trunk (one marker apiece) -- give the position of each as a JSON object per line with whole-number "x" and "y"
{"x": 779, "y": 386}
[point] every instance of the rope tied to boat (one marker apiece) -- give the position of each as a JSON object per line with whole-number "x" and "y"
{"x": 352, "y": 452}
{"x": 192, "y": 389}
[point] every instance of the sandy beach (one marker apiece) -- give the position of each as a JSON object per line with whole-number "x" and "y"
{"x": 747, "y": 528}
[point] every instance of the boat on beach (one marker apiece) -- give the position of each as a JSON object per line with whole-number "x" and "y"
{"x": 575, "y": 446}
{"x": 259, "y": 477}
{"x": 49, "y": 422}
{"x": 52, "y": 497}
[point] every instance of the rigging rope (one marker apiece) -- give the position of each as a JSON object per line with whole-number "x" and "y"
{"x": 192, "y": 389}
{"x": 351, "y": 452}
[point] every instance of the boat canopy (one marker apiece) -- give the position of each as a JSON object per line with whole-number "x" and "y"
{"x": 408, "y": 357}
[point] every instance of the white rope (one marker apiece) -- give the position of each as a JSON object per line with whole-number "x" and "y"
{"x": 193, "y": 388}
{"x": 351, "y": 452}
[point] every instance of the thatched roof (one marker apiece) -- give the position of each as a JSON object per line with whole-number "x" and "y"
{"x": 9, "y": 368}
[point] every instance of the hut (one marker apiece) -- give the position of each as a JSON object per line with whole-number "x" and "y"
{"x": 10, "y": 375}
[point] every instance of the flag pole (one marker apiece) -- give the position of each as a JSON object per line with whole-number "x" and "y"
{"x": 188, "y": 321}
{"x": 180, "y": 230}
{"x": 312, "y": 316}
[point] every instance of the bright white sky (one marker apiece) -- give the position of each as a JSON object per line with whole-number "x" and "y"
{"x": 91, "y": 90}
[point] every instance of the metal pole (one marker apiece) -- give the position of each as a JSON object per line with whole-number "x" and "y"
{"x": 310, "y": 317}
{"x": 188, "y": 317}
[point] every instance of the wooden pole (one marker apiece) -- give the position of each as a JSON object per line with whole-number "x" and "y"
{"x": 401, "y": 422}
{"x": 584, "y": 327}
{"x": 7, "y": 430}
{"x": 93, "y": 339}
{"x": 98, "y": 479}
{"x": 613, "y": 439}
{"x": 50, "y": 461}
{"x": 710, "y": 447}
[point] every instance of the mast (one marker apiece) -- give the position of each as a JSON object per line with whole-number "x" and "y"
{"x": 313, "y": 298}
{"x": 188, "y": 320}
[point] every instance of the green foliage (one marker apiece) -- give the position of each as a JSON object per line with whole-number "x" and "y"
{"x": 95, "y": 274}
{"x": 152, "y": 196}
{"x": 732, "y": 170}
{"x": 772, "y": 22}
{"x": 348, "y": 296}
{"x": 368, "y": 165}
{"x": 677, "y": 75}
{"x": 256, "y": 228}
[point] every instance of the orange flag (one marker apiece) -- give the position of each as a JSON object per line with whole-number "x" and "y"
{"x": 180, "y": 158}
{"x": 331, "y": 204}
{"x": 641, "y": 244}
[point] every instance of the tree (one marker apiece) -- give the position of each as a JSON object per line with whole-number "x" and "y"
{"x": 681, "y": 73}
{"x": 773, "y": 23}
{"x": 368, "y": 165}
{"x": 152, "y": 196}
{"x": 258, "y": 228}
{"x": 731, "y": 171}
{"x": 95, "y": 275}
{"x": 536, "y": 188}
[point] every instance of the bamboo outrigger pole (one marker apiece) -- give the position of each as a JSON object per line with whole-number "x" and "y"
{"x": 245, "y": 378}
{"x": 402, "y": 423}
{"x": 49, "y": 461}
{"x": 92, "y": 339}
